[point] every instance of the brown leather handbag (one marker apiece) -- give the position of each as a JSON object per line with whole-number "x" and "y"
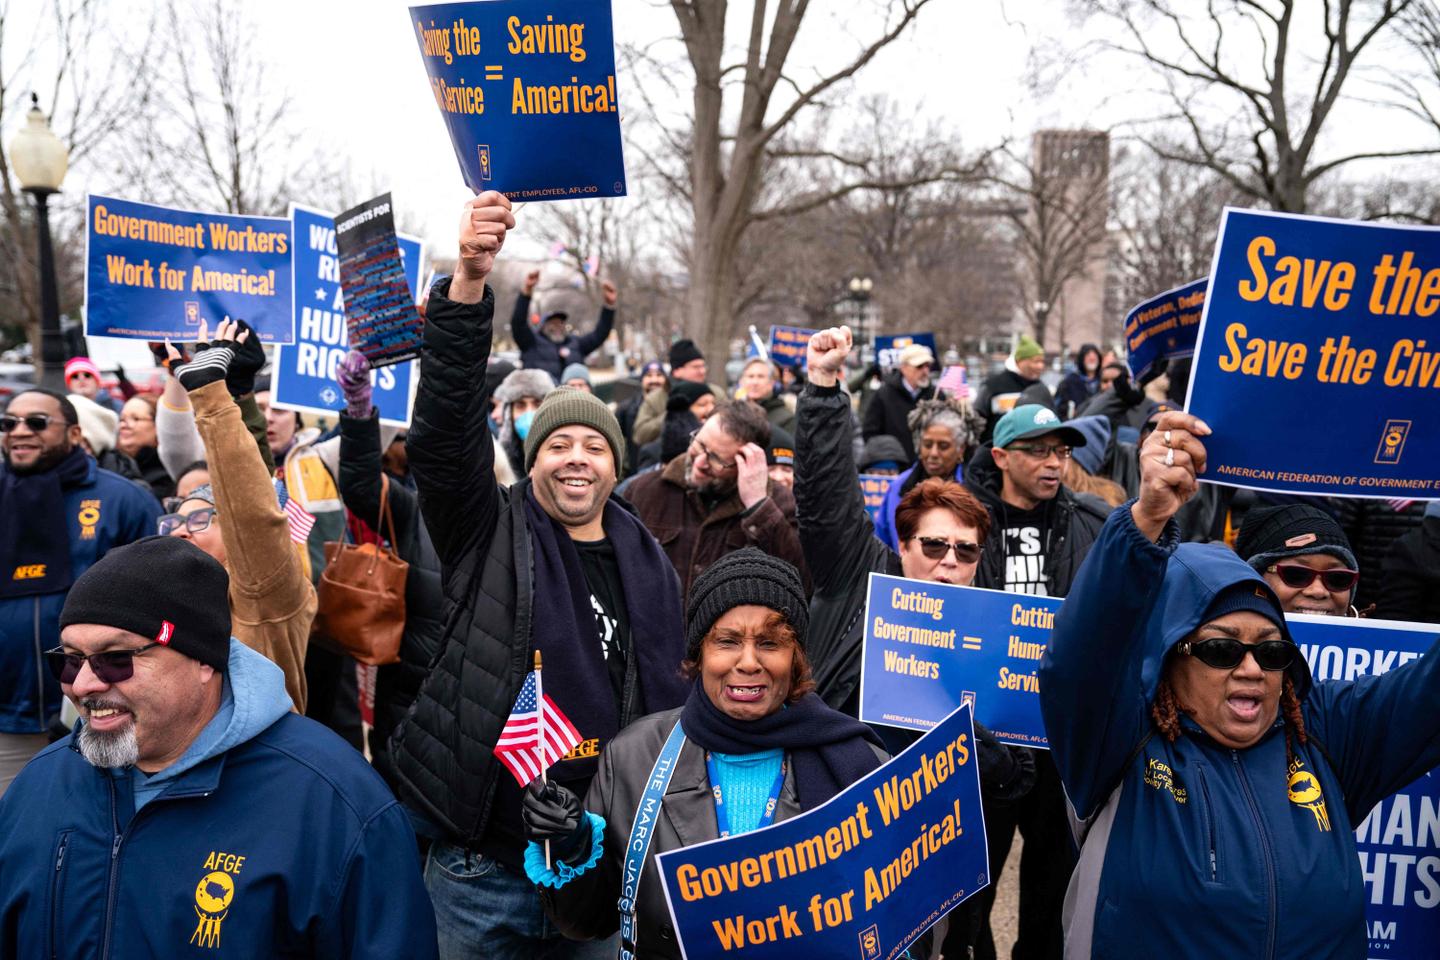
{"x": 360, "y": 607}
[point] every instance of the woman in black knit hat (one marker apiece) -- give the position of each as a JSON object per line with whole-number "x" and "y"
{"x": 753, "y": 745}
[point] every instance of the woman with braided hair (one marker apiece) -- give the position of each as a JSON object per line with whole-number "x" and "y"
{"x": 1214, "y": 786}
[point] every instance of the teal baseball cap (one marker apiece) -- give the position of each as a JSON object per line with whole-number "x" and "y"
{"x": 1034, "y": 420}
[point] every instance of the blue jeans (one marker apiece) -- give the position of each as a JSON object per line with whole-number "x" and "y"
{"x": 484, "y": 909}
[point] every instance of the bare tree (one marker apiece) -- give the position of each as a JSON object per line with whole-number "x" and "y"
{"x": 1251, "y": 92}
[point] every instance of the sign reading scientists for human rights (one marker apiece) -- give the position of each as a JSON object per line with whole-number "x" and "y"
{"x": 1399, "y": 841}
{"x": 527, "y": 92}
{"x": 862, "y": 876}
{"x": 1330, "y": 324}
{"x": 930, "y": 647}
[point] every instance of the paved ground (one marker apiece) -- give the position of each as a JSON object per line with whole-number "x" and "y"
{"x": 1007, "y": 905}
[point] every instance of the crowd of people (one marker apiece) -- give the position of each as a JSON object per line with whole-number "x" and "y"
{"x": 692, "y": 562}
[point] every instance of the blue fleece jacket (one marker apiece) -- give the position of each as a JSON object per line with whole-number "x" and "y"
{"x": 1191, "y": 849}
{"x": 269, "y": 837}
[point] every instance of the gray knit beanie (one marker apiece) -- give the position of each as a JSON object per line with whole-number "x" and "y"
{"x": 746, "y": 576}
{"x": 565, "y": 406}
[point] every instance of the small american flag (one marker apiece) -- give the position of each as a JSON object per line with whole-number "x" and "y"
{"x": 518, "y": 740}
{"x": 301, "y": 520}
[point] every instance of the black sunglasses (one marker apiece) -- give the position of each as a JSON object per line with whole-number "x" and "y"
{"x": 36, "y": 422}
{"x": 112, "y": 666}
{"x": 1297, "y": 576}
{"x": 935, "y": 548}
{"x": 1225, "y": 653}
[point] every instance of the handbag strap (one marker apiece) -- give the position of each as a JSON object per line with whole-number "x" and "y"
{"x": 386, "y": 517}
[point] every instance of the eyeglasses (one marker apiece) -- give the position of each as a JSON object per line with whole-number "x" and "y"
{"x": 112, "y": 666}
{"x": 193, "y": 522}
{"x": 1297, "y": 576}
{"x": 935, "y": 548}
{"x": 35, "y": 422}
{"x": 715, "y": 462}
{"x": 1224, "y": 653}
{"x": 1042, "y": 451}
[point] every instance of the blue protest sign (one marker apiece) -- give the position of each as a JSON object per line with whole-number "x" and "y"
{"x": 527, "y": 92}
{"x": 303, "y": 375}
{"x": 930, "y": 647}
{"x": 873, "y": 486}
{"x": 1310, "y": 317}
{"x": 1164, "y": 327}
{"x": 788, "y": 345}
{"x": 887, "y": 349}
{"x": 153, "y": 273}
{"x": 863, "y": 875}
{"x": 1399, "y": 842}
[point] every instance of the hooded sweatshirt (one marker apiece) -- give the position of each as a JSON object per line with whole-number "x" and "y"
{"x": 1190, "y": 848}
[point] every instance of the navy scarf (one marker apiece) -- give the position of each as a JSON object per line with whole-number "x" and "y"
{"x": 35, "y": 535}
{"x": 829, "y": 750}
{"x": 564, "y": 631}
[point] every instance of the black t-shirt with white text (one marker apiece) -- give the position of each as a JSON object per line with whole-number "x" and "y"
{"x": 1027, "y": 535}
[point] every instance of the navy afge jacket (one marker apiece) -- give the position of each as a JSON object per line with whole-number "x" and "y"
{"x": 279, "y": 841}
{"x": 1190, "y": 849}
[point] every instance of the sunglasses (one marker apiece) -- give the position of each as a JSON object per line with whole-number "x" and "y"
{"x": 1297, "y": 576}
{"x": 112, "y": 666}
{"x": 1224, "y": 653}
{"x": 193, "y": 522}
{"x": 935, "y": 548}
{"x": 1042, "y": 451}
{"x": 35, "y": 422}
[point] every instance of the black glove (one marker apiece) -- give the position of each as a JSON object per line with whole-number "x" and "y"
{"x": 120, "y": 374}
{"x": 553, "y": 813}
{"x": 1126, "y": 390}
{"x": 249, "y": 359}
{"x": 1006, "y": 773}
{"x": 210, "y": 363}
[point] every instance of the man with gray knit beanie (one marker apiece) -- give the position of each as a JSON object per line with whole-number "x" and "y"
{"x": 553, "y": 564}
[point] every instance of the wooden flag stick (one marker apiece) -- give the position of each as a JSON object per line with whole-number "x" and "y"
{"x": 540, "y": 736}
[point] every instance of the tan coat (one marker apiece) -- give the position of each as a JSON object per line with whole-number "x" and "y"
{"x": 272, "y": 603}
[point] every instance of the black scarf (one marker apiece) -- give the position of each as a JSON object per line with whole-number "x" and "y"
{"x": 575, "y": 675}
{"x": 35, "y": 537}
{"x": 830, "y": 751}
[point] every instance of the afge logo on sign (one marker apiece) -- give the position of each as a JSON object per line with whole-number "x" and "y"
{"x": 1392, "y": 441}
{"x": 870, "y": 943}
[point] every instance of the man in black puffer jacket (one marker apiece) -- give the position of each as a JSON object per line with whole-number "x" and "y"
{"x": 553, "y": 563}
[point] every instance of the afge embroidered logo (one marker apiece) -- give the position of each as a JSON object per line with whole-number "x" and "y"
{"x": 29, "y": 571}
{"x": 1305, "y": 792}
{"x": 1392, "y": 441}
{"x": 88, "y": 517}
{"x": 213, "y": 896}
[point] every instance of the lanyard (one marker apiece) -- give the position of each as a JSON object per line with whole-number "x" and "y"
{"x": 722, "y": 816}
{"x": 642, "y": 831}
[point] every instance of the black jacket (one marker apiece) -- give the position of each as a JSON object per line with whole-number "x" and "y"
{"x": 443, "y": 749}
{"x": 1074, "y": 522}
{"x": 998, "y": 396}
{"x": 1372, "y": 527}
{"x": 889, "y": 412}
{"x": 396, "y": 684}
{"x": 539, "y": 353}
{"x": 1410, "y": 587}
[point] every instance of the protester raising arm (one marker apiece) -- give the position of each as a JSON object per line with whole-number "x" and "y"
{"x": 590, "y": 342}
{"x": 520, "y": 329}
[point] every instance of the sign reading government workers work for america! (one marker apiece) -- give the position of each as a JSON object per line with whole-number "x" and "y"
{"x": 1318, "y": 361}
{"x": 527, "y": 92}
{"x": 153, "y": 273}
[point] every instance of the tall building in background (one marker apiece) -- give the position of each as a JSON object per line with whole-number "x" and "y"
{"x": 1069, "y": 202}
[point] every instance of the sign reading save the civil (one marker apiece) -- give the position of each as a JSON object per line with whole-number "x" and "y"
{"x": 863, "y": 875}
{"x": 1331, "y": 324}
{"x": 930, "y": 647}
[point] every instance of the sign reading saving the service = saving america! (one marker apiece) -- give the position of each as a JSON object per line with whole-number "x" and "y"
{"x": 154, "y": 273}
{"x": 863, "y": 875}
{"x": 527, "y": 92}
{"x": 930, "y": 647}
{"x": 1318, "y": 360}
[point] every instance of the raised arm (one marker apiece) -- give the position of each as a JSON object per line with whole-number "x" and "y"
{"x": 520, "y": 315}
{"x": 450, "y": 450}
{"x": 591, "y": 341}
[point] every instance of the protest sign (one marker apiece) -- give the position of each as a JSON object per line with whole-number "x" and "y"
{"x": 154, "y": 273}
{"x": 379, "y": 301}
{"x": 303, "y": 376}
{"x": 1312, "y": 318}
{"x": 863, "y": 875}
{"x": 1164, "y": 327}
{"x": 887, "y": 349}
{"x": 527, "y": 92}
{"x": 1399, "y": 842}
{"x": 874, "y": 487}
{"x": 931, "y": 646}
{"x": 788, "y": 345}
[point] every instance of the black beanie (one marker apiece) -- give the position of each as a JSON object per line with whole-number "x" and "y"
{"x": 682, "y": 352}
{"x": 781, "y": 451}
{"x": 743, "y": 577}
{"x": 1273, "y": 533}
{"x": 163, "y": 588}
{"x": 684, "y": 394}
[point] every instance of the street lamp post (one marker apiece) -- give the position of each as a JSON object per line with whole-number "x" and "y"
{"x": 860, "y": 288}
{"x": 40, "y": 161}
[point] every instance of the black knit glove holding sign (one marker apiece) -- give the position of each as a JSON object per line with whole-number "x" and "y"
{"x": 249, "y": 360}
{"x": 213, "y": 359}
